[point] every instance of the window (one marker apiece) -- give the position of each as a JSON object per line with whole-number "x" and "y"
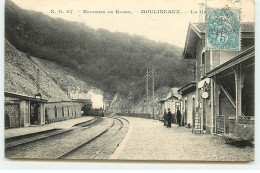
{"x": 55, "y": 110}
{"x": 68, "y": 111}
{"x": 203, "y": 65}
{"x": 62, "y": 111}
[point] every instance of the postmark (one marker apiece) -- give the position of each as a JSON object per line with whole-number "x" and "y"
{"x": 223, "y": 29}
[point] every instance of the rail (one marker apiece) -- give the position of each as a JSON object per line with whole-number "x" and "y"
{"x": 73, "y": 150}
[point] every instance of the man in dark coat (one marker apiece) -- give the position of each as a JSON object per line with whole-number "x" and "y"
{"x": 165, "y": 118}
{"x": 178, "y": 116}
{"x": 169, "y": 118}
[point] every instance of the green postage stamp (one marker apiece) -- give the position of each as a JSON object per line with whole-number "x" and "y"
{"x": 223, "y": 29}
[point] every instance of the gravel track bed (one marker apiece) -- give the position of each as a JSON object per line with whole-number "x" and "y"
{"x": 36, "y": 137}
{"x": 110, "y": 149}
{"x": 114, "y": 136}
{"x": 87, "y": 123}
{"x": 53, "y": 147}
{"x": 43, "y": 135}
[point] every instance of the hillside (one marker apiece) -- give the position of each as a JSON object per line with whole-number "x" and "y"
{"x": 113, "y": 62}
{"x": 122, "y": 104}
{"x": 64, "y": 77}
{"x": 22, "y": 77}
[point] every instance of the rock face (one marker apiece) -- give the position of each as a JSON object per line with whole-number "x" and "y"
{"x": 64, "y": 77}
{"x": 121, "y": 104}
{"x": 24, "y": 77}
{"x": 68, "y": 80}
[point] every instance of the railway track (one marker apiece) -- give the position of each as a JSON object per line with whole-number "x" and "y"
{"x": 11, "y": 143}
{"x": 95, "y": 139}
{"x": 100, "y": 146}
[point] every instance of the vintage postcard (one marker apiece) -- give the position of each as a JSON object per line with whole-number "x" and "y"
{"x": 157, "y": 80}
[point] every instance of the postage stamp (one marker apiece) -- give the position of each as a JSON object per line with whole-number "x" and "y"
{"x": 223, "y": 29}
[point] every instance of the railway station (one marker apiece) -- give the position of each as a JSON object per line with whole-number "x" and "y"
{"x": 215, "y": 111}
{"x": 74, "y": 91}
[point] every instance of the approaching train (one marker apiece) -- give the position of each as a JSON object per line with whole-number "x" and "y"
{"x": 87, "y": 110}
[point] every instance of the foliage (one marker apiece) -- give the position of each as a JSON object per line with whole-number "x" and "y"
{"x": 115, "y": 61}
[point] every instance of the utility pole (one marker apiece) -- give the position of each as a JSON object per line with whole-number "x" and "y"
{"x": 147, "y": 92}
{"x": 153, "y": 70}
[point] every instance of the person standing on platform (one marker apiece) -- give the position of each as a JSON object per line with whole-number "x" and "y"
{"x": 165, "y": 118}
{"x": 178, "y": 116}
{"x": 169, "y": 118}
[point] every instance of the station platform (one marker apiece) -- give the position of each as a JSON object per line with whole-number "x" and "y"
{"x": 15, "y": 132}
{"x": 148, "y": 139}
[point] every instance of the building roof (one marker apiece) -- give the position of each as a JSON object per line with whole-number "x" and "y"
{"x": 23, "y": 97}
{"x": 190, "y": 87}
{"x": 245, "y": 27}
{"x": 82, "y": 100}
{"x": 196, "y": 32}
{"x": 247, "y": 54}
{"x": 169, "y": 98}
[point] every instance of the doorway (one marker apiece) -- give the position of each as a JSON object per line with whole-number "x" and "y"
{"x": 46, "y": 116}
{"x": 34, "y": 113}
{"x": 185, "y": 112}
{"x": 7, "y": 121}
{"x": 204, "y": 114}
{"x": 193, "y": 112}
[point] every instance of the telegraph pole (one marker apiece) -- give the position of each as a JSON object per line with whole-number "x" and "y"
{"x": 147, "y": 92}
{"x": 153, "y": 70}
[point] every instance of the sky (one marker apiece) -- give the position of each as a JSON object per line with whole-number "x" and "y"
{"x": 169, "y": 28}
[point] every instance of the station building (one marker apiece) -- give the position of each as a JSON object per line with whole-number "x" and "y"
{"x": 61, "y": 110}
{"x": 31, "y": 96}
{"x": 224, "y": 81}
{"x": 188, "y": 93}
{"x": 172, "y": 101}
{"x": 23, "y": 111}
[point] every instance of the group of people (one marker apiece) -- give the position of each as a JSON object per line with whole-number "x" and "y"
{"x": 168, "y": 117}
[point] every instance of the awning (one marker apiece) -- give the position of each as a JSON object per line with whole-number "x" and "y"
{"x": 24, "y": 97}
{"x": 247, "y": 54}
{"x": 201, "y": 83}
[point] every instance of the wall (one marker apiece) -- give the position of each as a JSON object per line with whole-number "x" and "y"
{"x": 65, "y": 110}
{"x": 12, "y": 110}
{"x": 171, "y": 105}
{"x": 162, "y": 108}
{"x": 17, "y": 111}
{"x": 208, "y": 114}
{"x": 25, "y": 113}
{"x": 212, "y": 60}
{"x": 140, "y": 115}
{"x": 225, "y": 107}
{"x": 189, "y": 99}
{"x": 227, "y": 55}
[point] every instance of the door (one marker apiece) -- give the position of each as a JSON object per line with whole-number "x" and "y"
{"x": 186, "y": 112}
{"x": 204, "y": 114}
{"x": 193, "y": 112}
{"x": 34, "y": 113}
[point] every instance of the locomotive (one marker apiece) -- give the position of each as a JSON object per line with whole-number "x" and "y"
{"x": 88, "y": 110}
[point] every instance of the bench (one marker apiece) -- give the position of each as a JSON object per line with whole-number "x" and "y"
{"x": 240, "y": 133}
